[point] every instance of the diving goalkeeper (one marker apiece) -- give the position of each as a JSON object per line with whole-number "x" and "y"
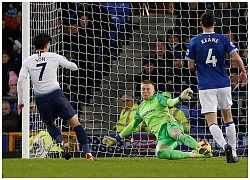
{"x": 169, "y": 132}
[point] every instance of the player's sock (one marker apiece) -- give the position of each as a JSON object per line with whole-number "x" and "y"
{"x": 172, "y": 154}
{"x": 188, "y": 140}
{"x": 193, "y": 154}
{"x": 217, "y": 134}
{"x": 55, "y": 134}
{"x": 231, "y": 136}
{"x": 82, "y": 138}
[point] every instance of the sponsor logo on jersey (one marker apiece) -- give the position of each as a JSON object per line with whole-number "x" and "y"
{"x": 147, "y": 112}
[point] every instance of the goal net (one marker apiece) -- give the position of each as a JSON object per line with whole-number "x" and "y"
{"x": 116, "y": 46}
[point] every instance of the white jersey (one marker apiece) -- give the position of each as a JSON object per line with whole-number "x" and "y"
{"x": 42, "y": 68}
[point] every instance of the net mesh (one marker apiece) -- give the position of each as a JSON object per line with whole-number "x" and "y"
{"x": 115, "y": 45}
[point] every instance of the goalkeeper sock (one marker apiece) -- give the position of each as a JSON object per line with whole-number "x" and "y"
{"x": 82, "y": 138}
{"x": 231, "y": 136}
{"x": 217, "y": 135}
{"x": 55, "y": 133}
{"x": 172, "y": 154}
{"x": 187, "y": 140}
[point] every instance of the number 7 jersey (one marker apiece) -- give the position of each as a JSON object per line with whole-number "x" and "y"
{"x": 208, "y": 52}
{"x": 42, "y": 68}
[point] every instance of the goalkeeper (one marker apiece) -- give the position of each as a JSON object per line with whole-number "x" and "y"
{"x": 169, "y": 132}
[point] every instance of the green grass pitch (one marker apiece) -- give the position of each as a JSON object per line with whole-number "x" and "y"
{"x": 145, "y": 167}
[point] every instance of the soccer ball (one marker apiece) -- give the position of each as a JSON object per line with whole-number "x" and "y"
{"x": 206, "y": 145}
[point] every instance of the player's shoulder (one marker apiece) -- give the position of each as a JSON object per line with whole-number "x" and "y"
{"x": 221, "y": 36}
{"x": 195, "y": 39}
{"x": 53, "y": 57}
{"x": 156, "y": 95}
{"x": 51, "y": 54}
{"x": 29, "y": 59}
{"x": 200, "y": 37}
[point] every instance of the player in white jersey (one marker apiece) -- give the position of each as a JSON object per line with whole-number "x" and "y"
{"x": 207, "y": 52}
{"x": 51, "y": 102}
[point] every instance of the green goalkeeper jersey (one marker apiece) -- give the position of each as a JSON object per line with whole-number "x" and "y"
{"x": 154, "y": 111}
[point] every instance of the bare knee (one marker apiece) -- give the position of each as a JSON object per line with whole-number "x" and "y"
{"x": 73, "y": 122}
{"x": 160, "y": 147}
{"x": 175, "y": 133}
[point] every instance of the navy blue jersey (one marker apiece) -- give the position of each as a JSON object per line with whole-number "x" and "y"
{"x": 208, "y": 52}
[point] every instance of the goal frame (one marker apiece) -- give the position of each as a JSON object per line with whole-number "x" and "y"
{"x": 26, "y": 83}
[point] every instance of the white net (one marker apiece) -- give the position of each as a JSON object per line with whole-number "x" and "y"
{"x": 117, "y": 45}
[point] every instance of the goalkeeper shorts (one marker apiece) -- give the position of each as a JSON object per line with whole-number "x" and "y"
{"x": 164, "y": 136}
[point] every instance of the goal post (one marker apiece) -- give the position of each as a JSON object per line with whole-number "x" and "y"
{"x": 26, "y": 85}
{"x": 110, "y": 43}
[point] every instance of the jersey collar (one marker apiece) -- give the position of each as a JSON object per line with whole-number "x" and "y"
{"x": 208, "y": 32}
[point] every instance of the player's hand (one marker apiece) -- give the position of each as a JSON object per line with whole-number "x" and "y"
{"x": 186, "y": 94}
{"x": 243, "y": 79}
{"x": 109, "y": 141}
{"x": 19, "y": 108}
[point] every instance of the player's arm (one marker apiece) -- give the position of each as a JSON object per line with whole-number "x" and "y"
{"x": 67, "y": 64}
{"x": 191, "y": 65}
{"x": 190, "y": 56}
{"x": 240, "y": 64}
{"x": 239, "y": 61}
{"x": 185, "y": 95}
{"x": 130, "y": 128}
{"x": 127, "y": 131}
{"x": 22, "y": 76}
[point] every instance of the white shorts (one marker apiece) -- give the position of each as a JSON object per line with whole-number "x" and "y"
{"x": 211, "y": 99}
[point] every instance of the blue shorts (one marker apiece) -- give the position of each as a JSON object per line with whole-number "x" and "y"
{"x": 52, "y": 105}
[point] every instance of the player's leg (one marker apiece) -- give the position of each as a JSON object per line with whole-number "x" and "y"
{"x": 230, "y": 149}
{"x": 166, "y": 145}
{"x": 225, "y": 103}
{"x": 176, "y": 132}
{"x": 56, "y": 134}
{"x": 209, "y": 104}
{"x": 81, "y": 136}
{"x": 46, "y": 108}
{"x": 47, "y": 114}
{"x": 215, "y": 129}
{"x": 164, "y": 152}
{"x": 66, "y": 112}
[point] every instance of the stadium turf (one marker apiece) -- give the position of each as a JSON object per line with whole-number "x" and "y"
{"x": 215, "y": 167}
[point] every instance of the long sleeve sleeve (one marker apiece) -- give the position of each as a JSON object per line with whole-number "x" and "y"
{"x": 20, "y": 89}
{"x": 129, "y": 129}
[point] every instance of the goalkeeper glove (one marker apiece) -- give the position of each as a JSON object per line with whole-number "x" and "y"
{"x": 186, "y": 94}
{"x": 109, "y": 141}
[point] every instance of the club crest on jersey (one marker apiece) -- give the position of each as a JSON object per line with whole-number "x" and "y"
{"x": 232, "y": 44}
{"x": 66, "y": 103}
